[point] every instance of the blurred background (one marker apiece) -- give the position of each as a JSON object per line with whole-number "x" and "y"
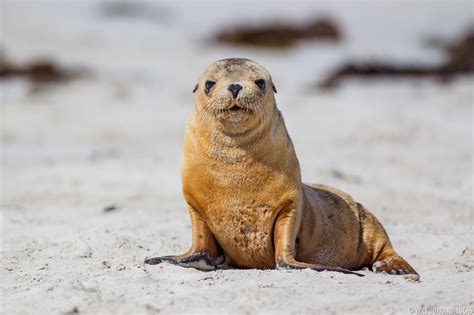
{"x": 377, "y": 97}
{"x": 104, "y": 79}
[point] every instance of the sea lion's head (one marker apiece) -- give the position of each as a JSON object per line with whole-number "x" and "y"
{"x": 237, "y": 92}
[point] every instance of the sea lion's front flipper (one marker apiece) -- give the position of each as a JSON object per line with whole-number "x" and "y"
{"x": 285, "y": 237}
{"x": 293, "y": 264}
{"x": 202, "y": 261}
{"x": 204, "y": 253}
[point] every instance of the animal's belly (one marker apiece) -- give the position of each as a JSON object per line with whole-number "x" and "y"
{"x": 245, "y": 236}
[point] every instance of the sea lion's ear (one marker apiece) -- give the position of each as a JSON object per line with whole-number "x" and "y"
{"x": 274, "y": 88}
{"x": 195, "y": 88}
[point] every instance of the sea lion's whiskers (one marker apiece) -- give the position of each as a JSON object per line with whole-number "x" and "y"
{"x": 257, "y": 104}
{"x": 202, "y": 114}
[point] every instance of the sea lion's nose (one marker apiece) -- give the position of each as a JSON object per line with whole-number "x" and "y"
{"x": 234, "y": 89}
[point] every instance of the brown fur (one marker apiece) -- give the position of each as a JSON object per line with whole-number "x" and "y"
{"x": 241, "y": 180}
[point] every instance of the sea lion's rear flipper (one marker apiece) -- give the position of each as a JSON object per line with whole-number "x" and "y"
{"x": 394, "y": 264}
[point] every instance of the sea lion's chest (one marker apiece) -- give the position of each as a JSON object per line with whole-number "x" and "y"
{"x": 233, "y": 194}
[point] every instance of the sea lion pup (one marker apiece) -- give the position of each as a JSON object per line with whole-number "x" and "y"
{"x": 241, "y": 180}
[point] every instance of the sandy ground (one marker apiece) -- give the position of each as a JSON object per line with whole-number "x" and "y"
{"x": 403, "y": 148}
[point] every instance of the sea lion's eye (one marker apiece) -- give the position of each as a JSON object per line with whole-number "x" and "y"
{"x": 261, "y": 84}
{"x": 208, "y": 85}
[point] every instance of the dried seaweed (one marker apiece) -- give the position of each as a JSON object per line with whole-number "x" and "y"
{"x": 459, "y": 60}
{"x": 280, "y": 35}
{"x": 39, "y": 73}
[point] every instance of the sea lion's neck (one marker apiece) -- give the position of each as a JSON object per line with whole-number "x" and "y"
{"x": 235, "y": 146}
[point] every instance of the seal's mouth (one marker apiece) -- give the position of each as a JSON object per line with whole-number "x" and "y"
{"x": 233, "y": 111}
{"x": 235, "y": 108}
